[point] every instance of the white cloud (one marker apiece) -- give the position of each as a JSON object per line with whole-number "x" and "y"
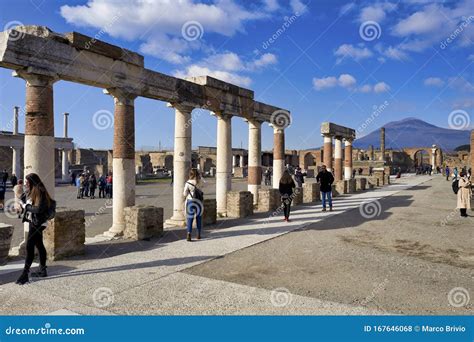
{"x": 433, "y": 82}
{"x": 158, "y": 24}
{"x": 324, "y": 83}
{"x": 297, "y": 6}
{"x": 428, "y": 20}
{"x": 228, "y": 67}
{"x": 271, "y": 5}
{"x": 346, "y": 80}
{"x": 348, "y": 50}
{"x": 366, "y": 88}
{"x": 395, "y": 53}
{"x": 381, "y": 87}
{"x": 471, "y": 57}
{"x": 376, "y": 12}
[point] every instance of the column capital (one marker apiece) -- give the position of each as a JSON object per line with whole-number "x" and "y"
{"x": 121, "y": 96}
{"x": 254, "y": 121}
{"x": 348, "y": 141}
{"x": 35, "y": 79}
{"x": 327, "y": 135}
{"x": 181, "y": 106}
{"x": 222, "y": 115}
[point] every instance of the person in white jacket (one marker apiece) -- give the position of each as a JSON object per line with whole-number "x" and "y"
{"x": 193, "y": 206}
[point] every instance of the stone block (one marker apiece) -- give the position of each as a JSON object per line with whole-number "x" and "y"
{"x": 334, "y": 191}
{"x": 311, "y": 192}
{"x": 143, "y": 222}
{"x": 268, "y": 199}
{"x": 6, "y": 233}
{"x": 361, "y": 184}
{"x": 373, "y": 182}
{"x": 239, "y": 204}
{"x": 380, "y": 175}
{"x": 387, "y": 179}
{"x": 297, "y": 196}
{"x": 341, "y": 187}
{"x": 66, "y": 234}
{"x": 351, "y": 186}
{"x": 209, "y": 216}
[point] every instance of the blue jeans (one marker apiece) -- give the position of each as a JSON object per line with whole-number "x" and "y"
{"x": 327, "y": 195}
{"x": 193, "y": 208}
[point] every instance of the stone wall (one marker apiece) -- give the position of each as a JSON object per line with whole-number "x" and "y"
{"x": 210, "y": 212}
{"x": 239, "y": 204}
{"x": 66, "y": 234}
{"x": 143, "y": 222}
{"x": 341, "y": 187}
{"x": 361, "y": 183}
{"x": 298, "y": 196}
{"x": 6, "y": 233}
{"x": 351, "y": 186}
{"x": 268, "y": 199}
{"x": 311, "y": 192}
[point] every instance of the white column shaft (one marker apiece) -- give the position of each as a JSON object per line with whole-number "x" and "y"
{"x": 224, "y": 162}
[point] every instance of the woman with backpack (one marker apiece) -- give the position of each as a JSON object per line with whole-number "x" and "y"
{"x": 286, "y": 187}
{"x": 194, "y": 203}
{"x": 38, "y": 207}
{"x": 464, "y": 194}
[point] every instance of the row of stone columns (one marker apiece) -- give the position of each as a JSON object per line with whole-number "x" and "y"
{"x": 328, "y": 154}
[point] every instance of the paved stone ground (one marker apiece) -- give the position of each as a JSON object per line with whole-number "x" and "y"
{"x": 403, "y": 260}
{"x": 157, "y": 194}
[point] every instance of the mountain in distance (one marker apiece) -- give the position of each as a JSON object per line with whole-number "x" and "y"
{"x": 413, "y": 132}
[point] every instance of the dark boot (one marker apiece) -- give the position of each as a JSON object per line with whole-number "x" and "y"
{"x": 199, "y": 236}
{"x": 23, "y": 279}
{"x": 188, "y": 237}
{"x": 41, "y": 273}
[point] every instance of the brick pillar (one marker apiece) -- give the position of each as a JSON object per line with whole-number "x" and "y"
{"x": 327, "y": 152}
{"x": 278, "y": 155}
{"x": 255, "y": 158}
{"x": 338, "y": 158}
{"x": 181, "y": 161}
{"x": 123, "y": 164}
{"x": 348, "y": 159}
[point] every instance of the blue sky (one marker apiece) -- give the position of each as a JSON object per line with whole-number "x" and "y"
{"x": 361, "y": 65}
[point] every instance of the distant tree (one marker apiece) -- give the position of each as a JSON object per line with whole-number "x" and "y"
{"x": 463, "y": 148}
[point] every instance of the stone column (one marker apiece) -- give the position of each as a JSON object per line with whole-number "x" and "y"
{"x": 348, "y": 159}
{"x": 433, "y": 158}
{"x": 472, "y": 152}
{"x": 382, "y": 144}
{"x": 241, "y": 161}
{"x": 39, "y": 128}
{"x": 64, "y": 153}
{"x": 338, "y": 158}
{"x": 223, "y": 162}
{"x": 123, "y": 164}
{"x": 16, "y": 160}
{"x": 254, "y": 158}
{"x": 181, "y": 161}
{"x": 278, "y": 155}
{"x": 327, "y": 152}
{"x": 371, "y": 152}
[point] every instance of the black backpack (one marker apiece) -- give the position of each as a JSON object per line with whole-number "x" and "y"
{"x": 456, "y": 186}
{"x": 198, "y": 194}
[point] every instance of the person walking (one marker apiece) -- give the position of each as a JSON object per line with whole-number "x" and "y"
{"x": 92, "y": 186}
{"x": 86, "y": 184}
{"x": 18, "y": 192}
{"x": 3, "y": 189}
{"x": 80, "y": 187}
{"x": 464, "y": 194}
{"x": 13, "y": 180}
{"x": 38, "y": 207}
{"x": 102, "y": 184}
{"x": 448, "y": 172}
{"x": 286, "y": 187}
{"x": 455, "y": 172}
{"x": 299, "y": 177}
{"x": 5, "y": 176}
{"x": 109, "y": 185}
{"x": 194, "y": 203}
{"x": 325, "y": 180}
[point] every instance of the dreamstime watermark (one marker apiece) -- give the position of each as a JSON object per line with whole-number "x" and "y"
{"x": 280, "y": 119}
{"x": 102, "y": 31}
{"x": 281, "y": 297}
{"x": 376, "y": 111}
{"x": 461, "y": 27}
{"x": 370, "y": 209}
{"x": 10, "y": 208}
{"x": 458, "y": 297}
{"x": 459, "y": 119}
{"x": 107, "y": 205}
{"x": 288, "y": 21}
{"x": 192, "y": 30}
{"x": 103, "y": 119}
{"x": 103, "y": 297}
{"x": 15, "y": 34}
{"x": 377, "y": 289}
{"x": 370, "y": 30}
{"x": 194, "y": 207}
{"x": 448, "y": 218}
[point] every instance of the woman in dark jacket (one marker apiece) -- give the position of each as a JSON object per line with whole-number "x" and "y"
{"x": 286, "y": 191}
{"x": 36, "y": 204}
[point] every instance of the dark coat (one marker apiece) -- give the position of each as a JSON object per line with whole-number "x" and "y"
{"x": 286, "y": 190}
{"x": 325, "y": 179}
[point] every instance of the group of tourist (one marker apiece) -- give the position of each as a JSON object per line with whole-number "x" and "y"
{"x": 87, "y": 184}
